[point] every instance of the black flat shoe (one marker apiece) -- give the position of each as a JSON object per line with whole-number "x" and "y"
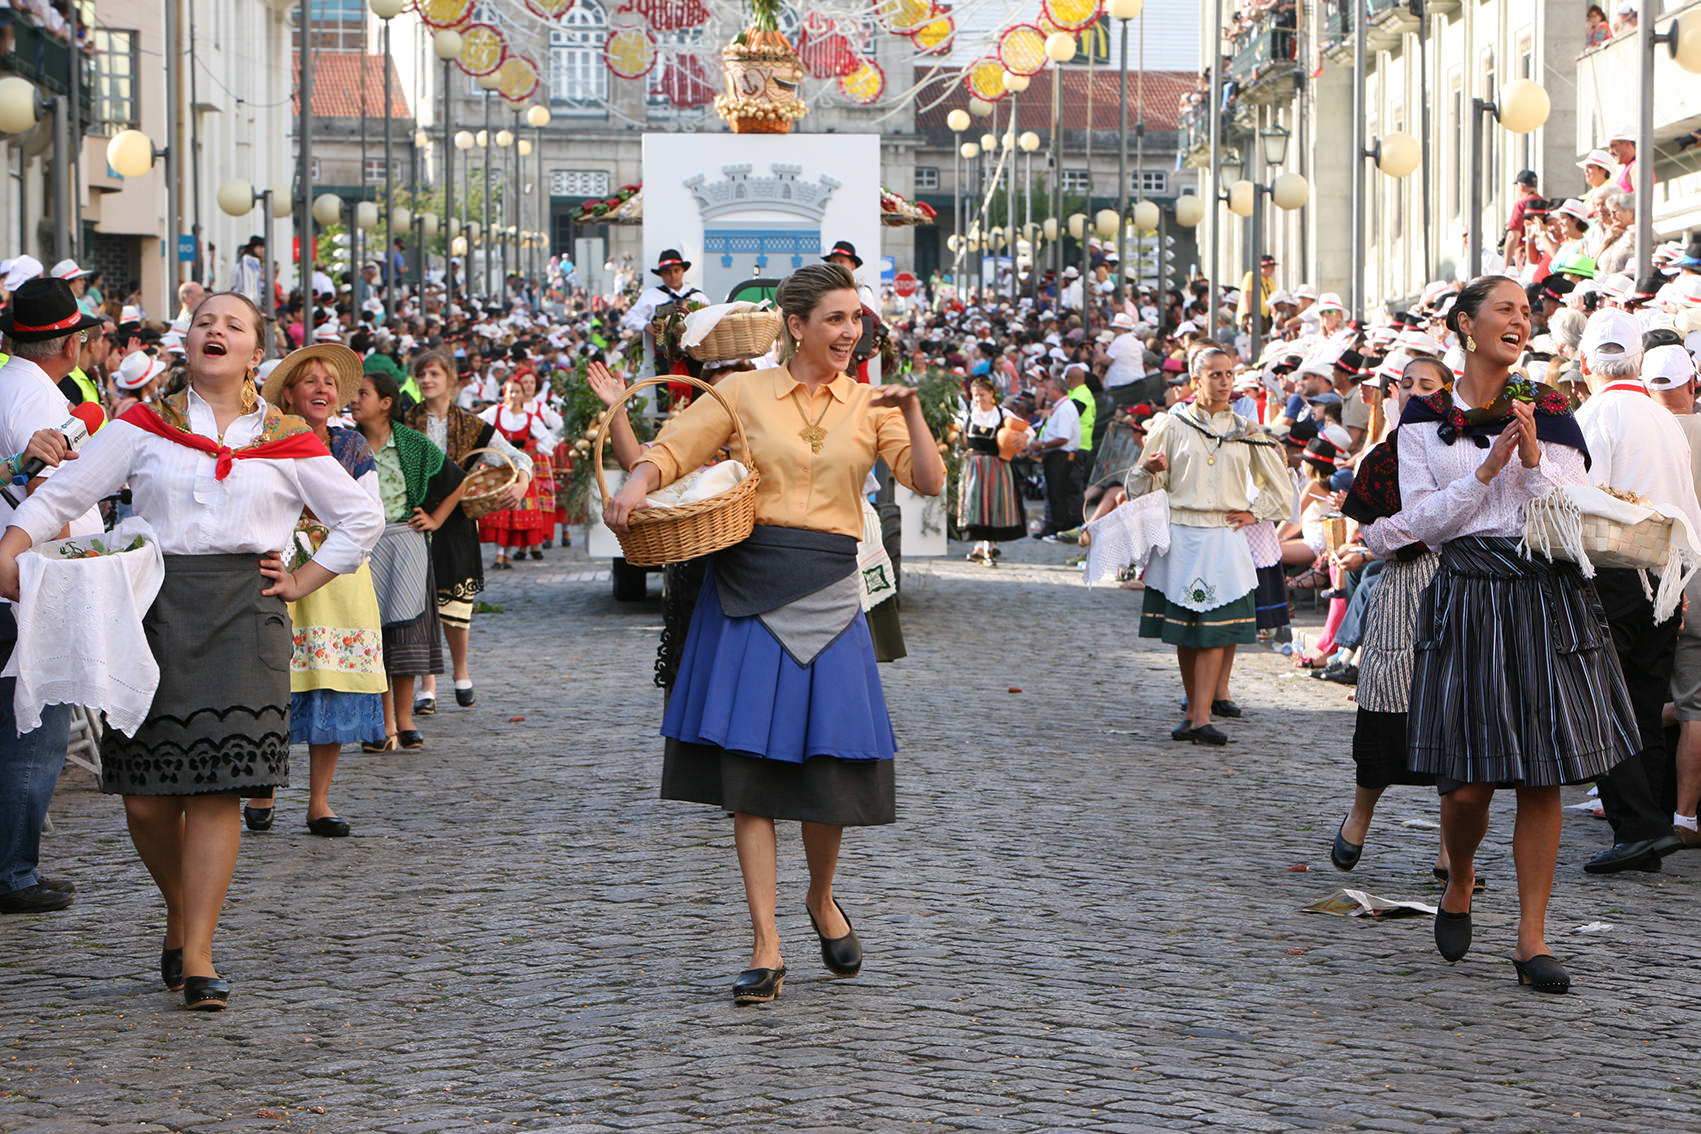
{"x": 1642, "y": 854}
{"x": 258, "y": 818}
{"x": 841, "y": 955}
{"x": 410, "y": 738}
{"x": 205, "y": 993}
{"x": 1182, "y": 732}
{"x": 1543, "y": 973}
{"x": 328, "y": 826}
{"x": 171, "y": 969}
{"x": 758, "y": 986}
{"x": 536, "y": 553}
{"x": 465, "y": 698}
{"x": 1208, "y": 734}
{"x": 1452, "y": 934}
{"x": 425, "y": 706}
{"x": 1226, "y": 709}
{"x": 1343, "y": 854}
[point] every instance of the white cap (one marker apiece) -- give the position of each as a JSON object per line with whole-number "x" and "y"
{"x": 1612, "y": 334}
{"x": 1305, "y": 291}
{"x": 19, "y": 272}
{"x": 68, "y": 270}
{"x": 1600, "y": 158}
{"x": 327, "y": 333}
{"x": 1688, "y": 290}
{"x": 1667, "y": 368}
{"x": 1692, "y": 344}
{"x": 129, "y": 314}
{"x": 1123, "y": 320}
{"x": 137, "y": 370}
{"x": 1393, "y": 364}
{"x": 265, "y": 370}
{"x": 1574, "y": 209}
{"x": 1626, "y": 132}
{"x": 1330, "y": 301}
{"x": 1281, "y": 297}
{"x": 1414, "y": 341}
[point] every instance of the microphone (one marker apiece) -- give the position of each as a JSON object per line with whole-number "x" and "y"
{"x": 85, "y": 419}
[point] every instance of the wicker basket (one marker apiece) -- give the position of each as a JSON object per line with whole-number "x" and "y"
{"x": 1607, "y": 543}
{"x": 672, "y": 535}
{"x": 744, "y": 334}
{"x": 484, "y": 485}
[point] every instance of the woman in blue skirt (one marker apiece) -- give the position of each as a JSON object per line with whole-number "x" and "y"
{"x": 777, "y": 711}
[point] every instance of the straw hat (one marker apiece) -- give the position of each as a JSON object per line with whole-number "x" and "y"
{"x": 343, "y": 362}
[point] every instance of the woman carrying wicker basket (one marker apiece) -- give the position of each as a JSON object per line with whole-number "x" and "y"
{"x": 455, "y": 556}
{"x": 1515, "y": 681}
{"x": 777, "y": 712}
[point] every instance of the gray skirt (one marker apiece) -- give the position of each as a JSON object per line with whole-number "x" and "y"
{"x": 219, "y": 722}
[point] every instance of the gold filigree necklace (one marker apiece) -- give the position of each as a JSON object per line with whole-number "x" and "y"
{"x": 812, "y": 431}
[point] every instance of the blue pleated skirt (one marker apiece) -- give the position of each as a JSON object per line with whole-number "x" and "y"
{"x": 750, "y": 730}
{"x": 330, "y": 716}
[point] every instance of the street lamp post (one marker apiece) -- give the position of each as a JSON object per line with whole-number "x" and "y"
{"x": 387, "y": 10}
{"x": 1060, "y": 49}
{"x": 958, "y": 121}
{"x": 967, "y": 153}
{"x": 20, "y": 104}
{"x": 504, "y": 140}
{"x": 1010, "y": 143}
{"x": 1396, "y": 155}
{"x": 1683, "y": 38}
{"x": 1289, "y": 191}
{"x": 463, "y": 141}
{"x": 538, "y": 116}
{"x": 446, "y": 45}
{"x": 1522, "y": 107}
{"x": 1123, "y": 10}
{"x": 237, "y": 198}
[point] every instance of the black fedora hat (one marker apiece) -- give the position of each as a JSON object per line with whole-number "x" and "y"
{"x": 670, "y": 258}
{"x": 844, "y": 248}
{"x": 44, "y": 309}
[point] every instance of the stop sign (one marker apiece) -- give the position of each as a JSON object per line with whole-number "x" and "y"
{"x": 904, "y": 284}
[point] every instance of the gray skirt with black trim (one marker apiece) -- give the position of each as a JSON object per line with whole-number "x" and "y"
{"x": 220, "y": 719}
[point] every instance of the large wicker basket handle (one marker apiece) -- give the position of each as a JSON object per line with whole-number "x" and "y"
{"x": 620, "y": 406}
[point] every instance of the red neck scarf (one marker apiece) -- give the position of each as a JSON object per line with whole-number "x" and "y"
{"x": 298, "y": 445}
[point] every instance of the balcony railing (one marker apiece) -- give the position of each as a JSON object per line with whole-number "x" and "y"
{"x": 1265, "y": 49}
{"x": 45, "y": 60}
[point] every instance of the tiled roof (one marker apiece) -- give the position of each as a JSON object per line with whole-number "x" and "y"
{"x": 1033, "y": 106}
{"x": 337, "y": 78}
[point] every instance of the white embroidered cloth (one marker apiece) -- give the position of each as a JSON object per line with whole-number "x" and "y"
{"x": 80, "y": 639}
{"x": 700, "y": 485}
{"x": 1565, "y": 507}
{"x": 1127, "y": 537}
{"x": 873, "y": 565}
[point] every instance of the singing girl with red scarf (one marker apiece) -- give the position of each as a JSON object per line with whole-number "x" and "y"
{"x": 222, "y": 477}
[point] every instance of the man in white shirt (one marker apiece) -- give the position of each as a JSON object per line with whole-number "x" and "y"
{"x": 670, "y": 290}
{"x": 1637, "y": 446}
{"x": 1055, "y": 447}
{"x": 43, "y": 329}
{"x": 1127, "y": 357}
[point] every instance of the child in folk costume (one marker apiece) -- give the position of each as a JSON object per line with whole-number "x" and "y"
{"x": 526, "y": 526}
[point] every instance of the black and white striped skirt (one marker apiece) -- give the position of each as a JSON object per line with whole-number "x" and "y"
{"x": 1514, "y": 676}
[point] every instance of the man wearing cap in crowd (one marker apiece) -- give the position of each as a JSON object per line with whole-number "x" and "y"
{"x": 1072, "y": 290}
{"x": 1512, "y": 241}
{"x": 1634, "y": 445}
{"x": 670, "y": 290}
{"x": 248, "y": 277}
{"x": 1669, "y": 372}
{"x": 1266, "y": 288}
{"x": 75, "y": 384}
{"x": 43, "y": 328}
{"x": 1126, "y": 364}
{"x": 1622, "y": 146}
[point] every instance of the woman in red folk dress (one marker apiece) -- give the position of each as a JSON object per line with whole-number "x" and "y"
{"x": 518, "y": 530}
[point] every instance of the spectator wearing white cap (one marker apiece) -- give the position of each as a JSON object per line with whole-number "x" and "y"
{"x": 1622, "y": 146}
{"x": 1635, "y": 446}
{"x": 1125, "y": 356}
{"x": 1598, "y": 169}
{"x": 137, "y": 379}
{"x": 1670, "y": 375}
{"x": 77, "y": 276}
{"x": 15, "y": 273}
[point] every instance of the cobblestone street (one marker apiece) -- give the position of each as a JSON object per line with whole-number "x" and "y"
{"x": 1075, "y": 924}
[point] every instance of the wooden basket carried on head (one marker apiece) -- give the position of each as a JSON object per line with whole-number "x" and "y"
{"x": 674, "y": 534}
{"x": 745, "y": 334}
{"x": 485, "y": 484}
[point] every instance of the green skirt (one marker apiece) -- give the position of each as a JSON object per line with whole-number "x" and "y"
{"x": 1232, "y": 624}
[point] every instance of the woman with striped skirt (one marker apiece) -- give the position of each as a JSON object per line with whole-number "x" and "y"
{"x": 989, "y": 505}
{"x": 1385, "y": 656}
{"x": 1515, "y": 680}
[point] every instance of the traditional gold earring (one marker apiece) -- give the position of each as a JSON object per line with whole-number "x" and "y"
{"x": 1470, "y": 344}
{"x": 250, "y": 399}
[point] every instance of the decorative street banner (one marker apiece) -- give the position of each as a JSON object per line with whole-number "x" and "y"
{"x": 482, "y": 49}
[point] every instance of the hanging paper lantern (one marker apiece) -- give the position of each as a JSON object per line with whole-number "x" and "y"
{"x": 985, "y": 79}
{"x": 517, "y": 79}
{"x": 672, "y": 15}
{"x": 826, "y": 52}
{"x": 864, "y": 85}
{"x": 1021, "y": 49}
{"x": 482, "y": 49}
{"x": 684, "y": 82}
{"x": 935, "y": 35}
{"x": 550, "y": 9}
{"x": 904, "y": 16}
{"x": 445, "y": 13}
{"x": 630, "y": 52}
{"x": 1070, "y": 15}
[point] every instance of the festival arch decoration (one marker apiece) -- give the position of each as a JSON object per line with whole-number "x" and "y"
{"x": 865, "y": 85}
{"x": 630, "y": 52}
{"x": 1070, "y": 15}
{"x": 550, "y": 9}
{"x": 936, "y": 35}
{"x": 668, "y": 15}
{"x": 825, "y": 50}
{"x": 684, "y": 81}
{"x": 517, "y": 79}
{"x": 1021, "y": 49}
{"x": 445, "y": 13}
{"x": 985, "y": 79}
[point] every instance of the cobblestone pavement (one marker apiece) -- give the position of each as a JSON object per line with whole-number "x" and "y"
{"x": 1076, "y": 924}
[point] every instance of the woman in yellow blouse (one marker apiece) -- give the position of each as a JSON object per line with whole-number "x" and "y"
{"x": 777, "y": 712}
{"x": 1199, "y": 594}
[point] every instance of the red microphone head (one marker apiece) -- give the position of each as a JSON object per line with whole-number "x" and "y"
{"x": 90, "y": 414}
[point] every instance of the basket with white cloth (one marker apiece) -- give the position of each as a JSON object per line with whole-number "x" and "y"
{"x": 730, "y": 330}
{"x": 1594, "y": 528}
{"x": 80, "y": 637}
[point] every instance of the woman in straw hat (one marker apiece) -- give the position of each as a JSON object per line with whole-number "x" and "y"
{"x": 336, "y": 676}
